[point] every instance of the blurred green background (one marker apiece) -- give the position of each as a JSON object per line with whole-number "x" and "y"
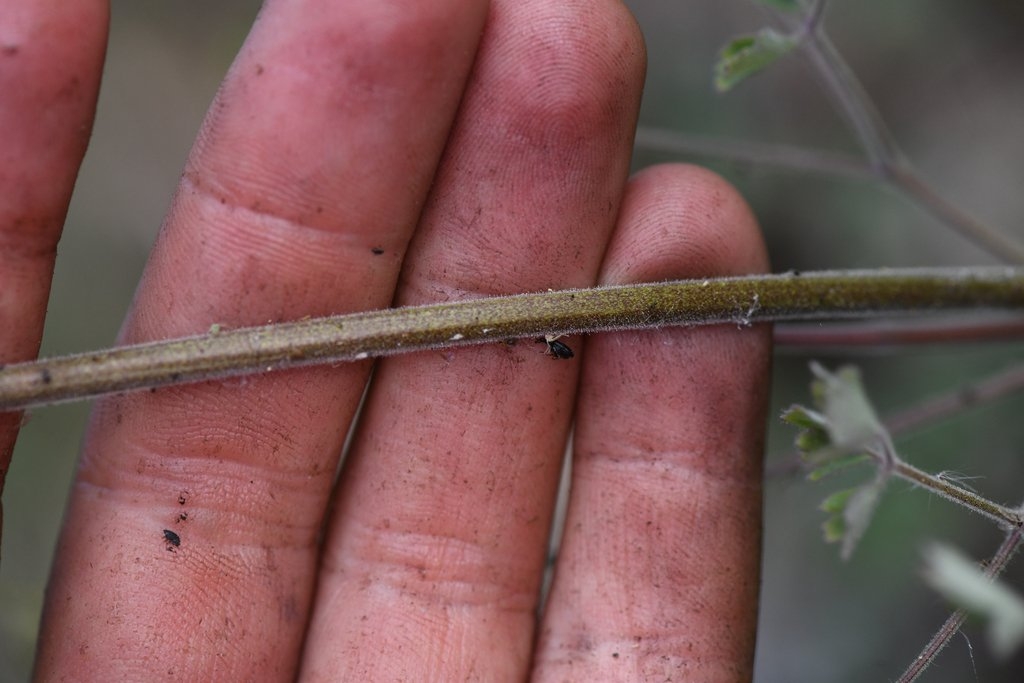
{"x": 947, "y": 76}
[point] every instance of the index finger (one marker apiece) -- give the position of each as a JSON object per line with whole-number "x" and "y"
{"x": 190, "y": 542}
{"x": 51, "y": 54}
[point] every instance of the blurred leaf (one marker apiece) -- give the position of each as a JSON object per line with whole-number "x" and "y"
{"x": 800, "y": 416}
{"x": 850, "y": 512}
{"x": 843, "y": 431}
{"x": 858, "y": 513}
{"x": 834, "y": 528}
{"x": 850, "y": 419}
{"x": 813, "y": 434}
{"x": 965, "y": 585}
{"x": 746, "y": 55}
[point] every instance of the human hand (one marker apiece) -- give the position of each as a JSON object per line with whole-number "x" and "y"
{"x": 359, "y": 155}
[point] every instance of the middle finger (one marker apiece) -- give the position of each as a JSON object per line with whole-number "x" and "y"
{"x": 438, "y": 537}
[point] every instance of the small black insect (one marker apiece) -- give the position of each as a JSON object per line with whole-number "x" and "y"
{"x": 172, "y": 538}
{"x": 558, "y": 350}
{"x": 377, "y": 251}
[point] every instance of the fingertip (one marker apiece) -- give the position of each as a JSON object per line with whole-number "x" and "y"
{"x": 681, "y": 221}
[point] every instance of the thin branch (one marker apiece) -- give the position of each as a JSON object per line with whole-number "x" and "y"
{"x": 1001, "y": 514}
{"x": 899, "y": 176}
{"x": 852, "y": 102}
{"x": 906, "y": 180}
{"x": 815, "y": 16}
{"x": 995, "y": 567}
{"x": 884, "y": 155}
{"x": 970, "y": 395}
{"x": 800, "y": 337}
{"x": 741, "y": 301}
{"x": 789, "y": 157}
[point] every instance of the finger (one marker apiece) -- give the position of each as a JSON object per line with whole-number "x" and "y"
{"x": 191, "y": 538}
{"x": 658, "y": 571}
{"x": 432, "y": 564}
{"x": 51, "y": 57}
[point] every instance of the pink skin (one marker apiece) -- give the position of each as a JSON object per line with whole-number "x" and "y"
{"x": 486, "y": 151}
{"x": 51, "y": 54}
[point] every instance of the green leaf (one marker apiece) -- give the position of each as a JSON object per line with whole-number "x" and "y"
{"x": 834, "y": 529}
{"x": 746, "y": 55}
{"x": 833, "y": 465}
{"x": 836, "y": 502}
{"x": 843, "y": 431}
{"x": 798, "y": 416}
{"x": 965, "y": 585}
{"x": 850, "y": 512}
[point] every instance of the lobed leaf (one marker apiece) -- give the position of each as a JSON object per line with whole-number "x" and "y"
{"x": 842, "y": 431}
{"x": 850, "y": 418}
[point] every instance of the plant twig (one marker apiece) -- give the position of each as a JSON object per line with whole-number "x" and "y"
{"x": 1004, "y": 516}
{"x": 852, "y": 101}
{"x": 740, "y": 300}
{"x": 906, "y": 180}
{"x": 885, "y": 157}
{"x": 956, "y": 620}
{"x": 959, "y": 399}
{"x": 801, "y": 337}
{"x": 751, "y": 152}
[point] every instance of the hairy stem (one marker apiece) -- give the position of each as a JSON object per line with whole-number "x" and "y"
{"x": 739, "y": 300}
{"x": 969, "y": 499}
{"x": 952, "y": 625}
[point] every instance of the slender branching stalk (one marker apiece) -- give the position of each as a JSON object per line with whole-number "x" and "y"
{"x": 952, "y": 625}
{"x": 739, "y": 300}
{"x": 876, "y": 335}
{"x": 753, "y": 153}
{"x": 885, "y": 161}
{"x": 884, "y": 156}
{"x": 1002, "y": 515}
{"x": 978, "y": 392}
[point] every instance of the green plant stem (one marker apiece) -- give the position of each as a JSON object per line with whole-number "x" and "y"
{"x": 996, "y": 566}
{"x": 741, "y": 301}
